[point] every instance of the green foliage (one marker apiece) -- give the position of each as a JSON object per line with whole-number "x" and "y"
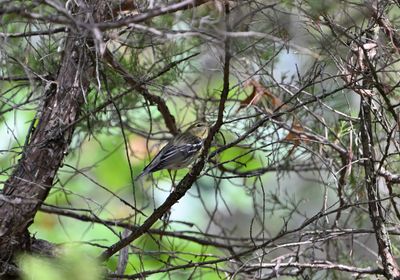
{"x": 284, "y": 45}
{"x": 74, "y": 264}
{"x": 240, "y": 159}
{"x": 181, "y": 253}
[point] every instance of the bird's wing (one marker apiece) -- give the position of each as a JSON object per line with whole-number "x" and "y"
{"x": 172, "y": 155}
{"x": 180, "y": 154}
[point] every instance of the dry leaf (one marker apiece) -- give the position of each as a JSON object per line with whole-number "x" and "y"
{"x": 255, "y": 97}
{"x": 295, "y": 136}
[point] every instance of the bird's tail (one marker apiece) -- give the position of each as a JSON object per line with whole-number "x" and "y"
{"x": 142, "y": 174}
{"x": 148, "y": 169}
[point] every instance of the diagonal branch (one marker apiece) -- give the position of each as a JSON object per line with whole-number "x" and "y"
{"x": 186, "y": 183}
{"x": 153, "y": 99}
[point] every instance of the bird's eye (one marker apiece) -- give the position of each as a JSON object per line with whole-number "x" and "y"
{"x": 198, "y": 125}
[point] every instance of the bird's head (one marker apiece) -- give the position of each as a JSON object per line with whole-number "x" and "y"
{"x": 199, "y": 129}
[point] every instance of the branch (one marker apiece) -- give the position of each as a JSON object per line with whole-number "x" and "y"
{"x": 117, "y": 223}
{"x": 136, "y": 87}
{"x": 390, "y": 266}
{"x": 275, "y": 266}
{"x": 186, "y": 183}
{"x": 29, "y": 184}
{"x": 33, "y": 33}
{"x": 153, "y": 99}
{"x": 389, "y": 177}
{"x": 179, "y": 6}
{"x": 386, "y": 26}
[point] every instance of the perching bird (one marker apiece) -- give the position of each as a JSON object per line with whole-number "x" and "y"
{"x": 180, "y": 151}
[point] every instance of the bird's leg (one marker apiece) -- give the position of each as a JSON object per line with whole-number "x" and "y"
{"x": 172, "y": 176}
{"x": 175, "y": 172}
{"x": 172, "y": 179}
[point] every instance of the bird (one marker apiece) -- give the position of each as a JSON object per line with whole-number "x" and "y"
{"x": 180, "y": 151}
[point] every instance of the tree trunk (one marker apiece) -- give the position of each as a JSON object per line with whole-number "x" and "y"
{"x": 33, "y": 177}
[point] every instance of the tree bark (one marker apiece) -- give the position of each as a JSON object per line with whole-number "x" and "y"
{"x": 32, "y": 178}
{"x": 390, "y": 267}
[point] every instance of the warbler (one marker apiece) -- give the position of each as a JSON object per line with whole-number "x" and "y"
{"x": 180, "y": 151}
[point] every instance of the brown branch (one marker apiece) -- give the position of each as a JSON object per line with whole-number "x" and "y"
{"x": 153, "y": 99}
{"x": 272, "y": 265}
{"x": 389, "y": 264}
{"x": 345, "y": 170}
{"x": 33, "y": 33}
{"x": 117, "y": 223}
{"x": 266, "y": 243}
{"x": 386, "y": 26}
{"x": 186, "y": 183}
{"x": 122, "y": 94}
{"x": 17, "y": 78}
{"x": 32, "y": 179}
{"x": 179, "y": 6}
{"x": 389, "y": 177}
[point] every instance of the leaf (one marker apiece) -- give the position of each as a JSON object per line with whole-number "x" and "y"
{"x": 253, "y": 98}
{"x": 296, "y": 135}
{"x": 259, "y": 91}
